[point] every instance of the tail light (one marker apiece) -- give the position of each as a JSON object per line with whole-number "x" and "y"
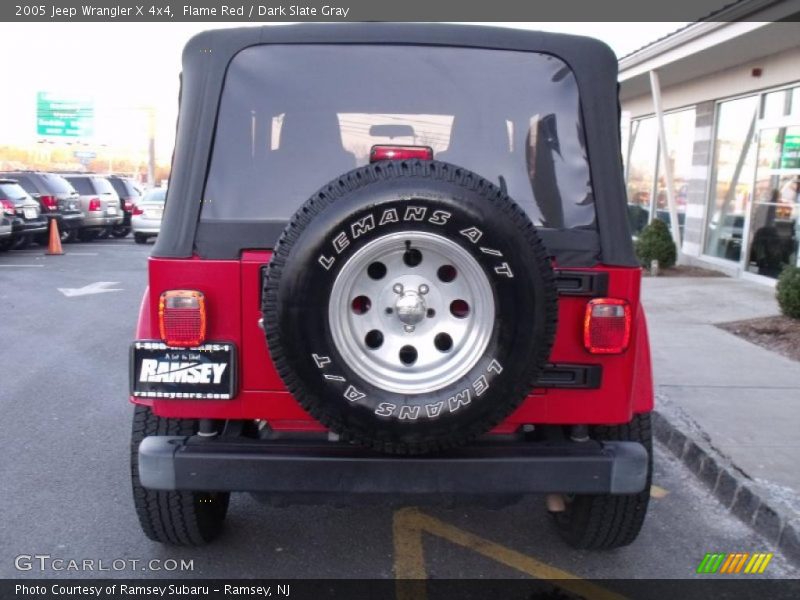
{"x": 49, "y": 202}
{"x": 136, "y": 210}
{"x": 607, "y": 326}
{"x": 400, "y": 153}
{"x": 182, "y": 318}
{"x": 127, "y": 206}
{"x": 8, "y": 207}
{"x": 95, "y": 205}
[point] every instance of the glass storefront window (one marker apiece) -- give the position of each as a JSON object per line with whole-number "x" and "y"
{"x": 775, "y": 104}
{"x": 730, "y": 192}
{"x": 679, "y": 127}
{"x": 794, "y": 109}
{"x": 775, "y": 220}
{"x": 641, "y": 171}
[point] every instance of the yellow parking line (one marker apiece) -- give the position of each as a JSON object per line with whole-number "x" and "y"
{"x": 408, "y": 554}
{"x": 409, "y": 558}
{"x": 657, "y": 492}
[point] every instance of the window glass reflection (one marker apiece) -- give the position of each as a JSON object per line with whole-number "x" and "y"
{"x": 641, "y": 171}
{"x": 729, "y": 197}
{"x": 679, "y": 128}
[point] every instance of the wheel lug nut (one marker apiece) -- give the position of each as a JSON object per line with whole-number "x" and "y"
{"x": 409, "y": 328}
{"x": 397, "y": 288}
{"x": 423, "y": 289}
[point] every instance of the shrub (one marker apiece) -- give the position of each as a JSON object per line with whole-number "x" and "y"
{"x": 655, "y": 243}
{"x": 788, "y": 292}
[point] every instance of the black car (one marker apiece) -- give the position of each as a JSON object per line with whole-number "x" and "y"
{"x": 27, "y": 220}
{"x": 56, "y": 197}
{"x": 129, "y": 195}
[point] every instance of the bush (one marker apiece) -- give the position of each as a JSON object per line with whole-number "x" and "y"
{"x": 788, "y": 292}
{"x": 655, "y": 243}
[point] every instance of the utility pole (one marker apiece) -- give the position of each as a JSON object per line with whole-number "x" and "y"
{"x": 151, "y": 145}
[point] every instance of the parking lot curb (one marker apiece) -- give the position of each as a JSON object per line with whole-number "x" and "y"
{"x": 736, "y": 490}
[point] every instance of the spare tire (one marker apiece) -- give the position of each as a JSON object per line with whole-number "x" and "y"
{"x": 409, "y": 306}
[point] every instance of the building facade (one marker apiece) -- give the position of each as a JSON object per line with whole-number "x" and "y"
{"x": 726, "y": 98}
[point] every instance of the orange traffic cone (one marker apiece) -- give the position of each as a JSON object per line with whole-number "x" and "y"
{"x": 54, "y": 247}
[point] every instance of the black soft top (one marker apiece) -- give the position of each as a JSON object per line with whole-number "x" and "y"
{"x": 205, "y": 61}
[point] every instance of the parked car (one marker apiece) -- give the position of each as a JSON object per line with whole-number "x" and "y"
{"x": 99, "y": 204}
{"x": 7, "y": 213}
{"x": 332, "y": 314}
{"x": 57, "y": 200}
{"x": 26, "y": 221}
{"x": 129, "y": 194}
{"x": 147, "y": 215}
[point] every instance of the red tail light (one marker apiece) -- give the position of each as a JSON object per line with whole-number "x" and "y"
{"x": 400, "y": 153}
{"x": 607, "y": 326}
{"x": 182, "y": 318}
{"x": 127, "y": 206}
{"x": 136, "y": 210}
{"x": 8, "y": 206}
{"x": 95, "y": 205}
{"x": 49, "y": 202}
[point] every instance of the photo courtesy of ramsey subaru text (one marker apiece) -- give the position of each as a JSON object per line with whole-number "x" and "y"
{"x": 394, "y": 260}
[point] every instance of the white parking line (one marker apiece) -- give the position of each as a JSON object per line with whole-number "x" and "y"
{"x": 22, "y": 266}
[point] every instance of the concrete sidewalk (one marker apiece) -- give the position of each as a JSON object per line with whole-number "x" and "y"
{"x": 738, "y": 404}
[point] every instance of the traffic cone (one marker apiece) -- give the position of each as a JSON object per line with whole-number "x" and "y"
{"x": 54, "y": 247}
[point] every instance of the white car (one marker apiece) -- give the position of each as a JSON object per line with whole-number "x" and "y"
{"x": 147, "y": 213}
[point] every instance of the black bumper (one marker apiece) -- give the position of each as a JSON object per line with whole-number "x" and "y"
{"x": 69, "y": 221}
{"x": 181, "y": 463}
{"x": 33, "y": 226}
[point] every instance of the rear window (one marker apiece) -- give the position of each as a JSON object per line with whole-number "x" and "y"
{"x": 83, "y": 185}
{"x": 103, "y": 186}
{"x": 123, "y": 187}
{"x": 293, "y": 117}
{"x": 25, "y": 182}
{"x": 155, "y": 195}
{"x": 12, "y": 191}
{"x": 56, "y": 184}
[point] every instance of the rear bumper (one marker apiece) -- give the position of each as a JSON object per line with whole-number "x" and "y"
{"x": 181, "y": 463}
{"x": 148, "y": 226}
{"x": 69, "y": 221}
{"x": 100, "y": 219}
{"x": 22, "y": 227}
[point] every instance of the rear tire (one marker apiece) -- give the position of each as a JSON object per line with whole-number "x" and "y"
{"x": 179, "y": 518}
{"x": 104, "y": 234}
{"x": 139, "y": 238}
{"x": 605, "y": 521}
{"x": 22, "y": 243}
{"x": 120, "y": 231}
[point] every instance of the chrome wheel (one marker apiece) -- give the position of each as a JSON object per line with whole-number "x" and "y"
{"x": 411, "y": 312}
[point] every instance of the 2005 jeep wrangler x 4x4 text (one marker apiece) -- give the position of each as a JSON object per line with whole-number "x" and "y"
{"x": 394, "y": 261}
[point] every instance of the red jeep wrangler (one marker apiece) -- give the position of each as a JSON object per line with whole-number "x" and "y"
{"x": 395, "y": 260}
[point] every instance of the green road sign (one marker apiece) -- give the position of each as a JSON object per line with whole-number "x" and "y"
{"x": 64, "y": 116}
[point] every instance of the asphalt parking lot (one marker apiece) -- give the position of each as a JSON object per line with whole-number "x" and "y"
{"x": 65, "y": 488}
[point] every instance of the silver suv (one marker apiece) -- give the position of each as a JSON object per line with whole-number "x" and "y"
{"x": 99, "y": 204}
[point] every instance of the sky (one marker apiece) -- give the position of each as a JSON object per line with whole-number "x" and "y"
{"x": 126, "y": 67}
